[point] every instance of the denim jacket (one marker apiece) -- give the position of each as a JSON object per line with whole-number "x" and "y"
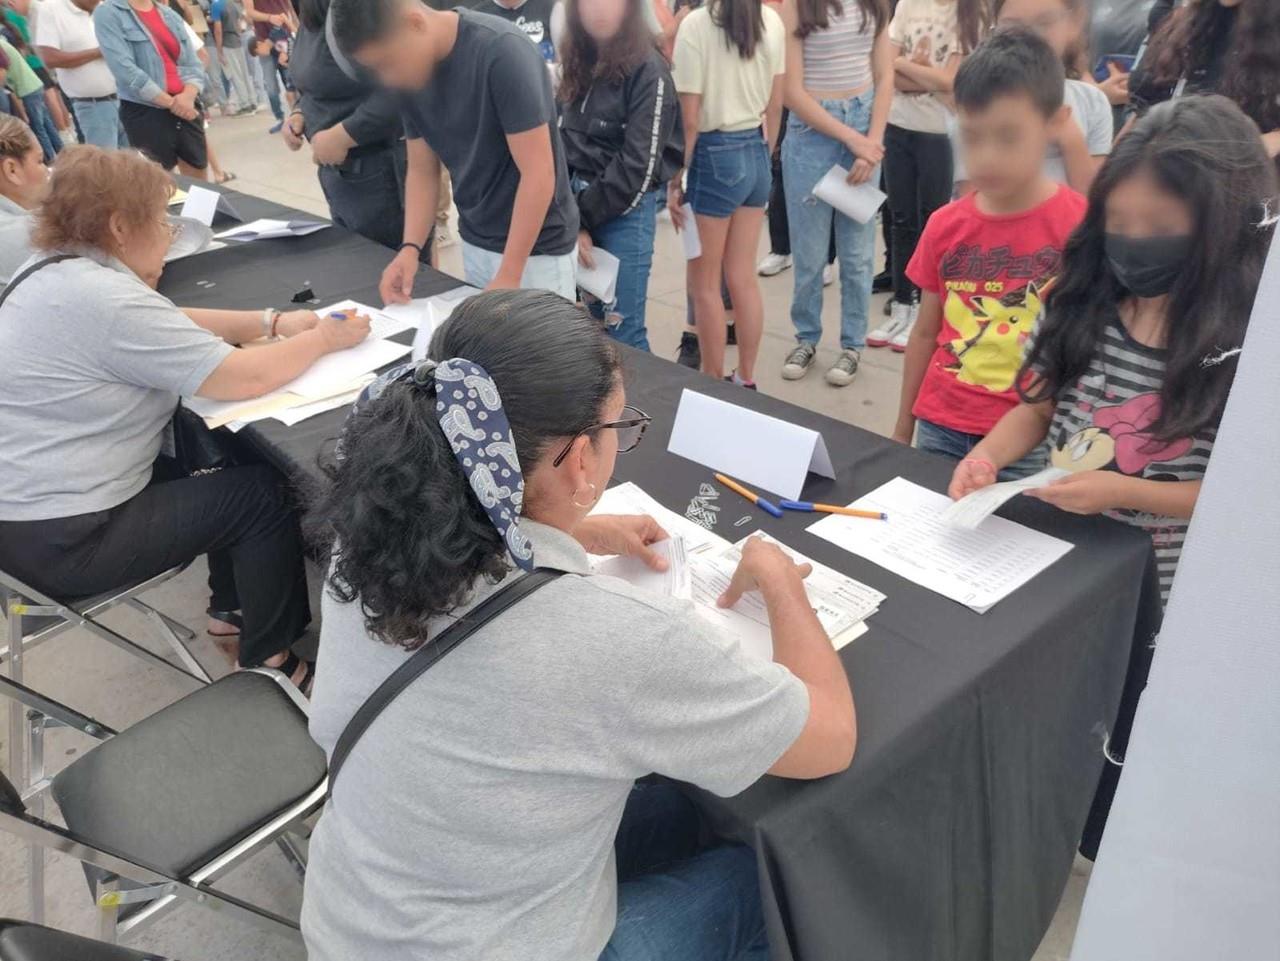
{"x": 131, "y": 54}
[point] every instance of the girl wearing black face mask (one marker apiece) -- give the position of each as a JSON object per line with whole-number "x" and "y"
{"x": 1130, "y": 371}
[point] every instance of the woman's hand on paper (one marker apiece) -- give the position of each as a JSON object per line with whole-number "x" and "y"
{"x": 764, "y": 566}
{"x": 294, "y": 322}
{"x": 339, "y": 334}
{"x": 969, "y": 476}
{"x": 1088, "y": 492}
{"x": 629, "y": 535}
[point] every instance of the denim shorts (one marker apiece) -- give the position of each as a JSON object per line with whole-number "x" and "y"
{"x": 729, "y": 170}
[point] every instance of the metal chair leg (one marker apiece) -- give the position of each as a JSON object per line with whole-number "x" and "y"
{"x": 108, "y": 909}
{"x": 35, "y": 805}
{"x": 164, "y": 627}
{"x": 293, "y": 853}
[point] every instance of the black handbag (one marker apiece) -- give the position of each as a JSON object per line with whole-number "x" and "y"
{"x": 429, "y": 655}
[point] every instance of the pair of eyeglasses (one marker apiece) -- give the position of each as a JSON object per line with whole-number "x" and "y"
{"x": 630, "y": 429}
{"x": 175, "y": 230}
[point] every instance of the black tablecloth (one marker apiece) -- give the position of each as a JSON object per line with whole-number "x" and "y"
{"x": 952, "y": 835}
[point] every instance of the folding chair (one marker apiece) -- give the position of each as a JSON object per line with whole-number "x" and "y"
{"x": 160, "y": 811}
{"x": 20, "y": 941}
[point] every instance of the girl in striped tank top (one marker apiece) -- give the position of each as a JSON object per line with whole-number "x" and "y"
{"x": 838, "y": 87}
{"x": 1129, "y": 374}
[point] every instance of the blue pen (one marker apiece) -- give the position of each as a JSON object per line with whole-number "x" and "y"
{"x": 337, "y": 315}
{"x": 767, "y": 506}
{"x": 833, "y": 509}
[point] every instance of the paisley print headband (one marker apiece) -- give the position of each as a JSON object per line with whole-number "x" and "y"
{"x": 469, "y": 409}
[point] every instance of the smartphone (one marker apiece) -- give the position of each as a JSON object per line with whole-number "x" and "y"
{"x": 1124, "y": 61}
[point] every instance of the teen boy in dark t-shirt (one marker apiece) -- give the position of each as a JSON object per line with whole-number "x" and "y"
{"x": 475, "y": 95}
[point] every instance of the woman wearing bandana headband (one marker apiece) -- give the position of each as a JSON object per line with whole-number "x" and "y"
{"x": 493, "y": 811}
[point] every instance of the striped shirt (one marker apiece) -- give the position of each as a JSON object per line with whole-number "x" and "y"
{"x": 839, "y": 57}
{"x": 1101, "y": 423}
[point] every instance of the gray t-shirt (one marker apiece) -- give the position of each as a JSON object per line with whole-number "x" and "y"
{"x": 1090, "y": 109}
{"x": 476, "y": 817}
{"x": 494, "y": 83}
{"x": 94, "y": 363}
{"x": 15, "y": 238}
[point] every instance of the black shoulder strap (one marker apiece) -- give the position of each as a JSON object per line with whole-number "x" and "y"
{"x": 429, "y": 655}
{"x": 31, "y": 270}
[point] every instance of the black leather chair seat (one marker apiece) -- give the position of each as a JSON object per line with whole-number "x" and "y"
{"x": 183, "y": 786}
{"x": 20, "y": 941}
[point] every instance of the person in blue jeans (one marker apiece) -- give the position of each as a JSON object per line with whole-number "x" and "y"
{"x": 619, "y": 121}
{"x": 728, "y": 68}
{"x": 839, "y": 86}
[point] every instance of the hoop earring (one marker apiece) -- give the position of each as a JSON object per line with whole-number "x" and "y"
{"x": 589, "y": 503}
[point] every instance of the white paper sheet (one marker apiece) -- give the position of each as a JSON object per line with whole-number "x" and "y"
{"x": 689, "y": 235}
{"x": 332, "y": 372}
{"x": 296, "y": 415}
{"x": 759, "y": 450}
{"x": 601, "y": 279}
{"x": 673, "y": 582}
{"x": 971, "y": 510}
{"x": 382, "y": 323}
{"x": 200, "y": 204}
{"x": 267, "y": 229}
{"x": 860, "y": 201}
{"x": 976, "y": 568}
{"x": 630, "y": 499}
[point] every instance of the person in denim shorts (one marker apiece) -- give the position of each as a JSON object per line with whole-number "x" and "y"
{"x": 727, "y": 80}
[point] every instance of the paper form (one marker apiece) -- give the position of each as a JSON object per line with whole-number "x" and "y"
{"x": 971, "y": 510}
{"x": 859, "y": 201}
{"x": 976, "y": 568}
{"x": 673, "y": 582}
{"x": 382, "y": 323}
{"x": 267, "y": 229}
{"x": 630, "y": 499}
{"x": 332, "y": 372}
{"x": 689, "y": 234}
{"x": 601, "y": 279}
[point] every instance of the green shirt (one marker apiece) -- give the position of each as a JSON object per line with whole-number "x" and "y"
{"x": 19, "y": 24}
{"x": 22, "y": 79}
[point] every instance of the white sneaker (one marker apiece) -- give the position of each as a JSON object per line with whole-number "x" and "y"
{"x": 828, "y": 275}
{"x": 844, "y": 369}
{"x": 899, "y": 318}
{"x": 798, "y": 361}
{"x": 773, "y": 264}
{"x": 899, "y": 341}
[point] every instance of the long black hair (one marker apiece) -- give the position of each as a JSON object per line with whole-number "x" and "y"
{"x": 742, "y": 22}
{"x": 583, "y": 61}
{"x": 410, "y": 537}
{"x": 1206, "y": 151}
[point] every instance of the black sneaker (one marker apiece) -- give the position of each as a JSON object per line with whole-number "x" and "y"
{"x": 882, "y": 282}
{"x": 690, "y": 353}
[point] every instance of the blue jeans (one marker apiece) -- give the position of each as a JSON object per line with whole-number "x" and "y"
{"x": 42, "y": 124}
{"x": 100, "y": 123}
{"x": 553, "y": 272}
{"x": 806, "y": 156}
{"x": 271, "y": 85}
{"x": 630, "y": 239}
{"x": 728, "y": 171}
{"x": 677, "y": 899}
{"x": 954, "y": 443}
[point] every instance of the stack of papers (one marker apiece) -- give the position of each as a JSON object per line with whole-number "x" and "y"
{"x": 267, "y": 229}
{"x": 703, "y": 564}
{"x": 977, "y": 568}
{"x": 600, "y": 280}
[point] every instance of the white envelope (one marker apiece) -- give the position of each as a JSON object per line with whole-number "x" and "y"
{"x": 600, "y": 280}
{"x": 859, "y": 201}
{"x": 689, "y": 235}
{"x": 761, "y": 451}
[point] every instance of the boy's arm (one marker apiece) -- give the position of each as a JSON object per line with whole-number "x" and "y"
{"x": 531, "y": 151}
{"x": 920, "y": 347}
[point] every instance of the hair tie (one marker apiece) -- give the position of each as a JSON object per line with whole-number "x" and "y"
{"x": 476, "y": 427}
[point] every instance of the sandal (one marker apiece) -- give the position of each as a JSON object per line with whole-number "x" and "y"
{"x": 289, "y": 666}
{"x": 226, "y": 177}
{"x": 234, "y": 618}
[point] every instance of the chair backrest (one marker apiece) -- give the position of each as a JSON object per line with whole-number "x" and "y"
{"x": 20, "y": 941}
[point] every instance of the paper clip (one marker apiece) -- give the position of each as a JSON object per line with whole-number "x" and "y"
{"x": 742, "y": 520}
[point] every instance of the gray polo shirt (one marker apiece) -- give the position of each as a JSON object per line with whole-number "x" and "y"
{"x": 95, "y": 361}
{"x": 15, "y": 238}
{"x": 476, "y": 818}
